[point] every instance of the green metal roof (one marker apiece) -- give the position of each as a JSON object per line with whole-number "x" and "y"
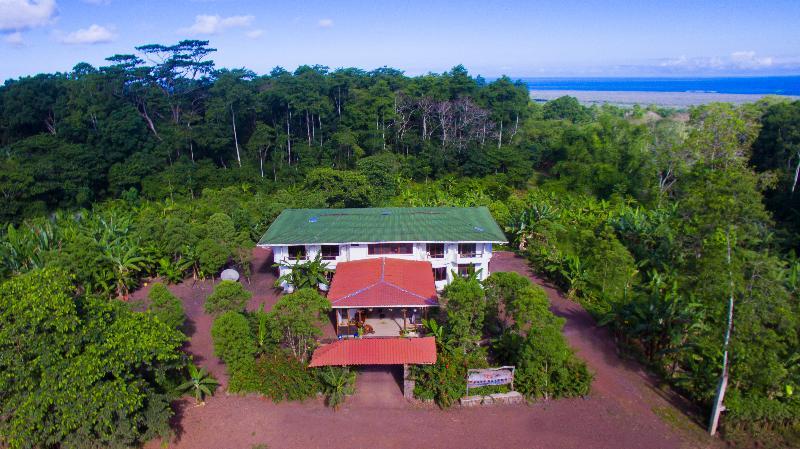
{"x": 388, "y": 224}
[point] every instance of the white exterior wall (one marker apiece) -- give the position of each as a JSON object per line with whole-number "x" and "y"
{"x": 356, "y": 251}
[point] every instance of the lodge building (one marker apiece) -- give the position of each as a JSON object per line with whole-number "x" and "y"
{"x": 388, "y": 265}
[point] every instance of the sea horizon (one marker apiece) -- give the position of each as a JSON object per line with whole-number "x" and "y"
{"x": 788, "y": 85}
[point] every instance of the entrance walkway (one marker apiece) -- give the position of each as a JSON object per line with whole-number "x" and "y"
{"x": 378, "y": 386}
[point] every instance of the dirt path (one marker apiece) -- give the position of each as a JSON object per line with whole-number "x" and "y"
{"x": 618, "y": 414}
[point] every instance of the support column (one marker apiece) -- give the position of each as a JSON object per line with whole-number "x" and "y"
{"x": 408, "y": 383}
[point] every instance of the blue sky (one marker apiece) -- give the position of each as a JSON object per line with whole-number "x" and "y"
{"x": 522, "y": 38}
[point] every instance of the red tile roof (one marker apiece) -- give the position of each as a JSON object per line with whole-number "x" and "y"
{"x": 376, "y": 351}
{"x": 383, "y": 282}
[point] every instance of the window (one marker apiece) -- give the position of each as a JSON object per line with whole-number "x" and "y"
{"x": 435, "y": 250}
{"x": 297, "y": 252}
{"x": 467, "y": 250}
{"x": 440, "y": 274}
{"x": 388, "y": 249}
{"x": 465, "y": 269}
{"x": 330, "y": 252}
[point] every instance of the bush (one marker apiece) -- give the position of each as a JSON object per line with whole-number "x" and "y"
{"x": 534, "y": 343}
{"x": 212, "y": 256}
{"x": 277, "y": 375}
{"x": 166, "y": 306}
{"x": 465, "y": 309}
{"x": 337, "y": 383}
{"x": 445, "y": 381}
{"x": 296, "y": 320}
{"x": 501, "y": 288}
{"x": 546, "y": 366}
{"x": 233, "y": 339}
{"x": 227, "y": 296}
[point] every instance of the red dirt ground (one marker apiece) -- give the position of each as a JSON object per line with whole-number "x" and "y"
{"x": 622, "y": 411}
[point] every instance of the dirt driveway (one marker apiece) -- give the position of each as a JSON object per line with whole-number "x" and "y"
{"x": 624, "y": 409}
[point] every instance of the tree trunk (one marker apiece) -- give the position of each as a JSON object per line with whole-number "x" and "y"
{"x": 313, "y": 129}
{"x": 235, "y": 137}
{"x": 719, "y": 407}
{"x": 319, "y": 119}
{"x": 339, "y": 100}
{"x": 796, "y": 172}
{"x": 500, "y": 136}
{"x": 143, "y": 112}
{"x": 516, "y": 127}
{"x": 289, "y": 135}
{"x": 191, "y": 144}
{"x": 308, "y": 129}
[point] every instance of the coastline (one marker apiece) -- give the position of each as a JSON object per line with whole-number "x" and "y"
{"x": 646, "y": 98}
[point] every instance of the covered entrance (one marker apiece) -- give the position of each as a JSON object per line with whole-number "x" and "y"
{"x": 379, "y": 386}
{"x": 382, "y": 297}
{"x": 379, "y": 352}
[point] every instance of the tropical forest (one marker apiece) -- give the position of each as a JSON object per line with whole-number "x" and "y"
{"x": 676, "y": 229}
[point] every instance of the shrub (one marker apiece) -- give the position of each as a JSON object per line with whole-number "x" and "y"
{"x": 233, "y": 339}
{"x": 166, "y": 307}
{"x": 465, "y": 309}
{"x": 546, "y": 365}
{"x": 212, "y": 256}
{"x": 227, "y": 296}
{"x": 277, "y": 375}
{"x": 337, "y": 383}
{"x": 445, "y": 381}
{"x": 296, "y": 320}
{"x": 501, "y": 288}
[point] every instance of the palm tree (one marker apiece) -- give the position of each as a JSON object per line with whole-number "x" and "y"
{"x": 309, "y": 274}
{"x": 337, "y": 383}
{"x": 200, "y": 382}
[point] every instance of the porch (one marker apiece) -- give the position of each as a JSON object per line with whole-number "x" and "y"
{"x": 379, "y": 322}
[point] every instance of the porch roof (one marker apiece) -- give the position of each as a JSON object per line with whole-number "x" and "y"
{"x": 376, "y": 351}
{"x": 383, "y": 282}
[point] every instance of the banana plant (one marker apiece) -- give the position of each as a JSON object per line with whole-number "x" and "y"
{"x": 263, "y": 336}
{"x": 309, "y": 274}
{"x": 173, "y": 271}
{"x": 201, "y": 384}
{"x": 575, "y": 273}
{"x": 125, "y": 265}
{"x": 337, "y": 383}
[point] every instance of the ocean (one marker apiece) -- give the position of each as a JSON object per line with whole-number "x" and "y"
{"x": 670, "y": 92}
{"x": 765, "y": 85}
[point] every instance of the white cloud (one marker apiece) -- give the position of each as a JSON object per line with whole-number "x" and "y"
{"x": 14, "y": 39}
{"x": 325, "y": 23}
{"x": 18, "y": 15}
{"x": 95, "y": 34}
{"x": 748, "y": 60}
{"x": 255, "y": 34}
{"x": 206, "y": 24}
{"x": 738, "y": 60}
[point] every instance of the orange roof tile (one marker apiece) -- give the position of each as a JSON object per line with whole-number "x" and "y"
{"x": 376, "y": 351}
{"x": 383, "y": 282}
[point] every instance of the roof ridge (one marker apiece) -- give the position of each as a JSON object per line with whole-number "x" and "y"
{"x": 357, "y": 292}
